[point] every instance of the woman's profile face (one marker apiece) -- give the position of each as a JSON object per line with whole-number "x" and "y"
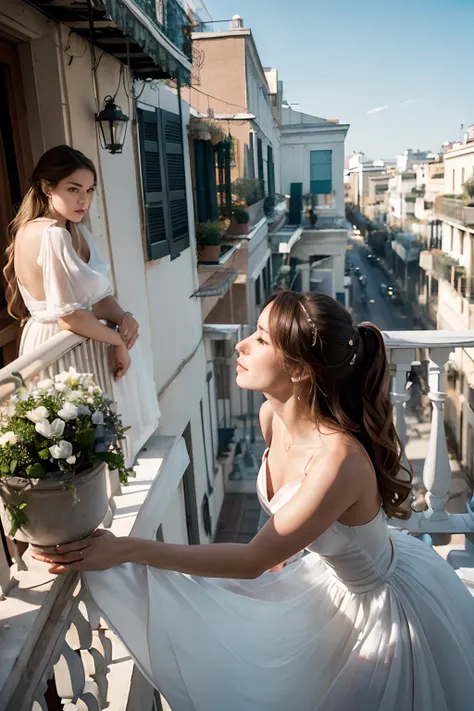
{"x": 259, "y": 365}
{"x": 70, "y": 199}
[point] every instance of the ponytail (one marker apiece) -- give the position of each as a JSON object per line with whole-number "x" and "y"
{"x": 387, "y": 449}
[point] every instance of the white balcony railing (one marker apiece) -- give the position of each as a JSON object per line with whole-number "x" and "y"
{"x": 435, "y": 348}
{"x": 456, "y": 210}
{"x": 52, "y": 639}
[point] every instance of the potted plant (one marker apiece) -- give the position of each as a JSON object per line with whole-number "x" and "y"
{"x": 239, "y": 224}
{"x": 248, "y": 190}
{"x": 55, "y": 439}
{"x": 208, "y": 237}
{"x": 469, "y": 190}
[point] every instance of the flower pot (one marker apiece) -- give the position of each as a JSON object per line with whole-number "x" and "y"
{"x": 55, "y": 514}
{"x": 236, "y": 228}
{"x": 210, "y": 253}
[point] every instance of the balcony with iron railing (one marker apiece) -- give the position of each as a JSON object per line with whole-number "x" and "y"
{"x": 153, "y": 38}
{"x": 55, "y": 648}
{"x": 460, "y": 211}
{"x": 172, "y": 21}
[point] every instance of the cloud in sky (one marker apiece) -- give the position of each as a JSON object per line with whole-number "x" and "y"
{"x": 409, "y": 101}
{"x": 377, "y": 109}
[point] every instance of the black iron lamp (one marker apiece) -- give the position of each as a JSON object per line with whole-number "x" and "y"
{"x": 112, "y": 126}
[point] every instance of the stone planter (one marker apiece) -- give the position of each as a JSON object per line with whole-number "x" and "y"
{"x": 55, "y": 514}
{"x": 209, "y": 253}
{"x": 256, "y": 212}
{"x": 236, "y": 228}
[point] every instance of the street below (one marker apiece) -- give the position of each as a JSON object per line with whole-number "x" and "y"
{"x": 368, "y": 302}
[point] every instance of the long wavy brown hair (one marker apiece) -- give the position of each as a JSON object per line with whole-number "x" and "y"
{"x": 55, "y": 165}
{"x": 343, "y": 382}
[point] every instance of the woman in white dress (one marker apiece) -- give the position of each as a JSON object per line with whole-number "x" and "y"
{"x": 370, "y": 618}
{"x": 57, "y": 279}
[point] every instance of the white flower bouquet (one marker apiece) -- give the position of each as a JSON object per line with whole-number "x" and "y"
{"x": 55, "y": 430}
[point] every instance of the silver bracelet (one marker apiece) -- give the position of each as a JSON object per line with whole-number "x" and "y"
{"x": 127, "y": 313}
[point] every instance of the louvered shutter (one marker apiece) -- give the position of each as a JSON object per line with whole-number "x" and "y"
{"x": 172, "y": 134}
{"x": 154, "y": 186}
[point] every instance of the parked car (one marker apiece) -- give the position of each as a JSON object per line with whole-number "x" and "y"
{"x": 395, "y": 296}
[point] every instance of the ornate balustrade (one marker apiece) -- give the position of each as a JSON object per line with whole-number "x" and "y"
{"x": 54, "y": 647}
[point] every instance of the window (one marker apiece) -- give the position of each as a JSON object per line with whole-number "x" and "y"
{"x": 164, "y": 182}
{"x": 454, "y": 181}
{"x": 321, "y": 172}
{"x": 463, "y": 176}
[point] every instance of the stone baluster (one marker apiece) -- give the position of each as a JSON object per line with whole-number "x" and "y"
{"x": 400, "y": 362}
{"x": 80, "y": 672}
{"x": 437, "y": 471}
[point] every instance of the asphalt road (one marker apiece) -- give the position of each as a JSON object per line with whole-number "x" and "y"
{"x": 377, "y": 308}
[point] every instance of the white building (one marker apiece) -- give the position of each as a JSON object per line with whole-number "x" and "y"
{"x": 409, "y": 158}
{"x": 358, "y": 175}
{"x": 312, "y": 173}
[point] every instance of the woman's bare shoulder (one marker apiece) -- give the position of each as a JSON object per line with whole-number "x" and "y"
{"x": 347, "y": 455}
{"x": 35, "y": 228}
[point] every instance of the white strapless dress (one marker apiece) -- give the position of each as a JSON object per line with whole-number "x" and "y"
{"x": 71, "y": 284}
{"x": 370, "y": 618}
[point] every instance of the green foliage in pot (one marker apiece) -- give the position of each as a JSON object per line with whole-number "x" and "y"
{"x": 241, "y": 215}
{"x": 469, "y": 187}
{"x": 198, "y": 126}
{"x": 57, "y": 429}
{"x": 250, "y": 190}
{"x": 210, "y": 233}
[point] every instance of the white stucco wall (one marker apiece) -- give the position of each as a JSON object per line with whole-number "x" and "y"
{"x": 297, "y": 143}
{"x": 458, "y": 163}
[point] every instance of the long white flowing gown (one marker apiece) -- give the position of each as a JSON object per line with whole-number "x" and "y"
{"x": 370, "y": 618}
{"x": 71, "y": 284}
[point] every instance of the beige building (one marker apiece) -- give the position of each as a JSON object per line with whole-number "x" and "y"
{"x": 230, "y": 87}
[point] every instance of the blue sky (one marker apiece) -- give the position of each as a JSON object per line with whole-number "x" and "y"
{"x": 400, "y": 74}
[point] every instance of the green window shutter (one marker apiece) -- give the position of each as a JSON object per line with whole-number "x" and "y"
{"x": 271, "y": 171}
{"x": 153, "y": 184}
{"x": 172, "y": 133}
{"x": 260, "y": 158}
{"x": 321, "y": 172}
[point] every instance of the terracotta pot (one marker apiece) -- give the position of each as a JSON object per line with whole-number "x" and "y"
{"x": 55, "y": 514}
{"x": 236, "y": 228}
{"x": 209, "y": 253}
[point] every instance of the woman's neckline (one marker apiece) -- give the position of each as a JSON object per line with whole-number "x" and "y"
{"x": 300, "y": 479}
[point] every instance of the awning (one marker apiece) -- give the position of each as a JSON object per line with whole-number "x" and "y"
{"x": 152, "y": 37}
{"x": 222, "y": 331}
{"x": 217, "y": 284}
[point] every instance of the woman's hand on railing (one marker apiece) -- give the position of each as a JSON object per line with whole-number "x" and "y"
{"x": 128, "y": 329}
{"x": 119, "y": 360}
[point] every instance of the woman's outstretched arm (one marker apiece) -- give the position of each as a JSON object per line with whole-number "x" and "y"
{"x": 331, "y": 487}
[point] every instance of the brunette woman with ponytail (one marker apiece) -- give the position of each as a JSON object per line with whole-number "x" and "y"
{"x": 370, "y": 618}
{"x": 56, "y": 280}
